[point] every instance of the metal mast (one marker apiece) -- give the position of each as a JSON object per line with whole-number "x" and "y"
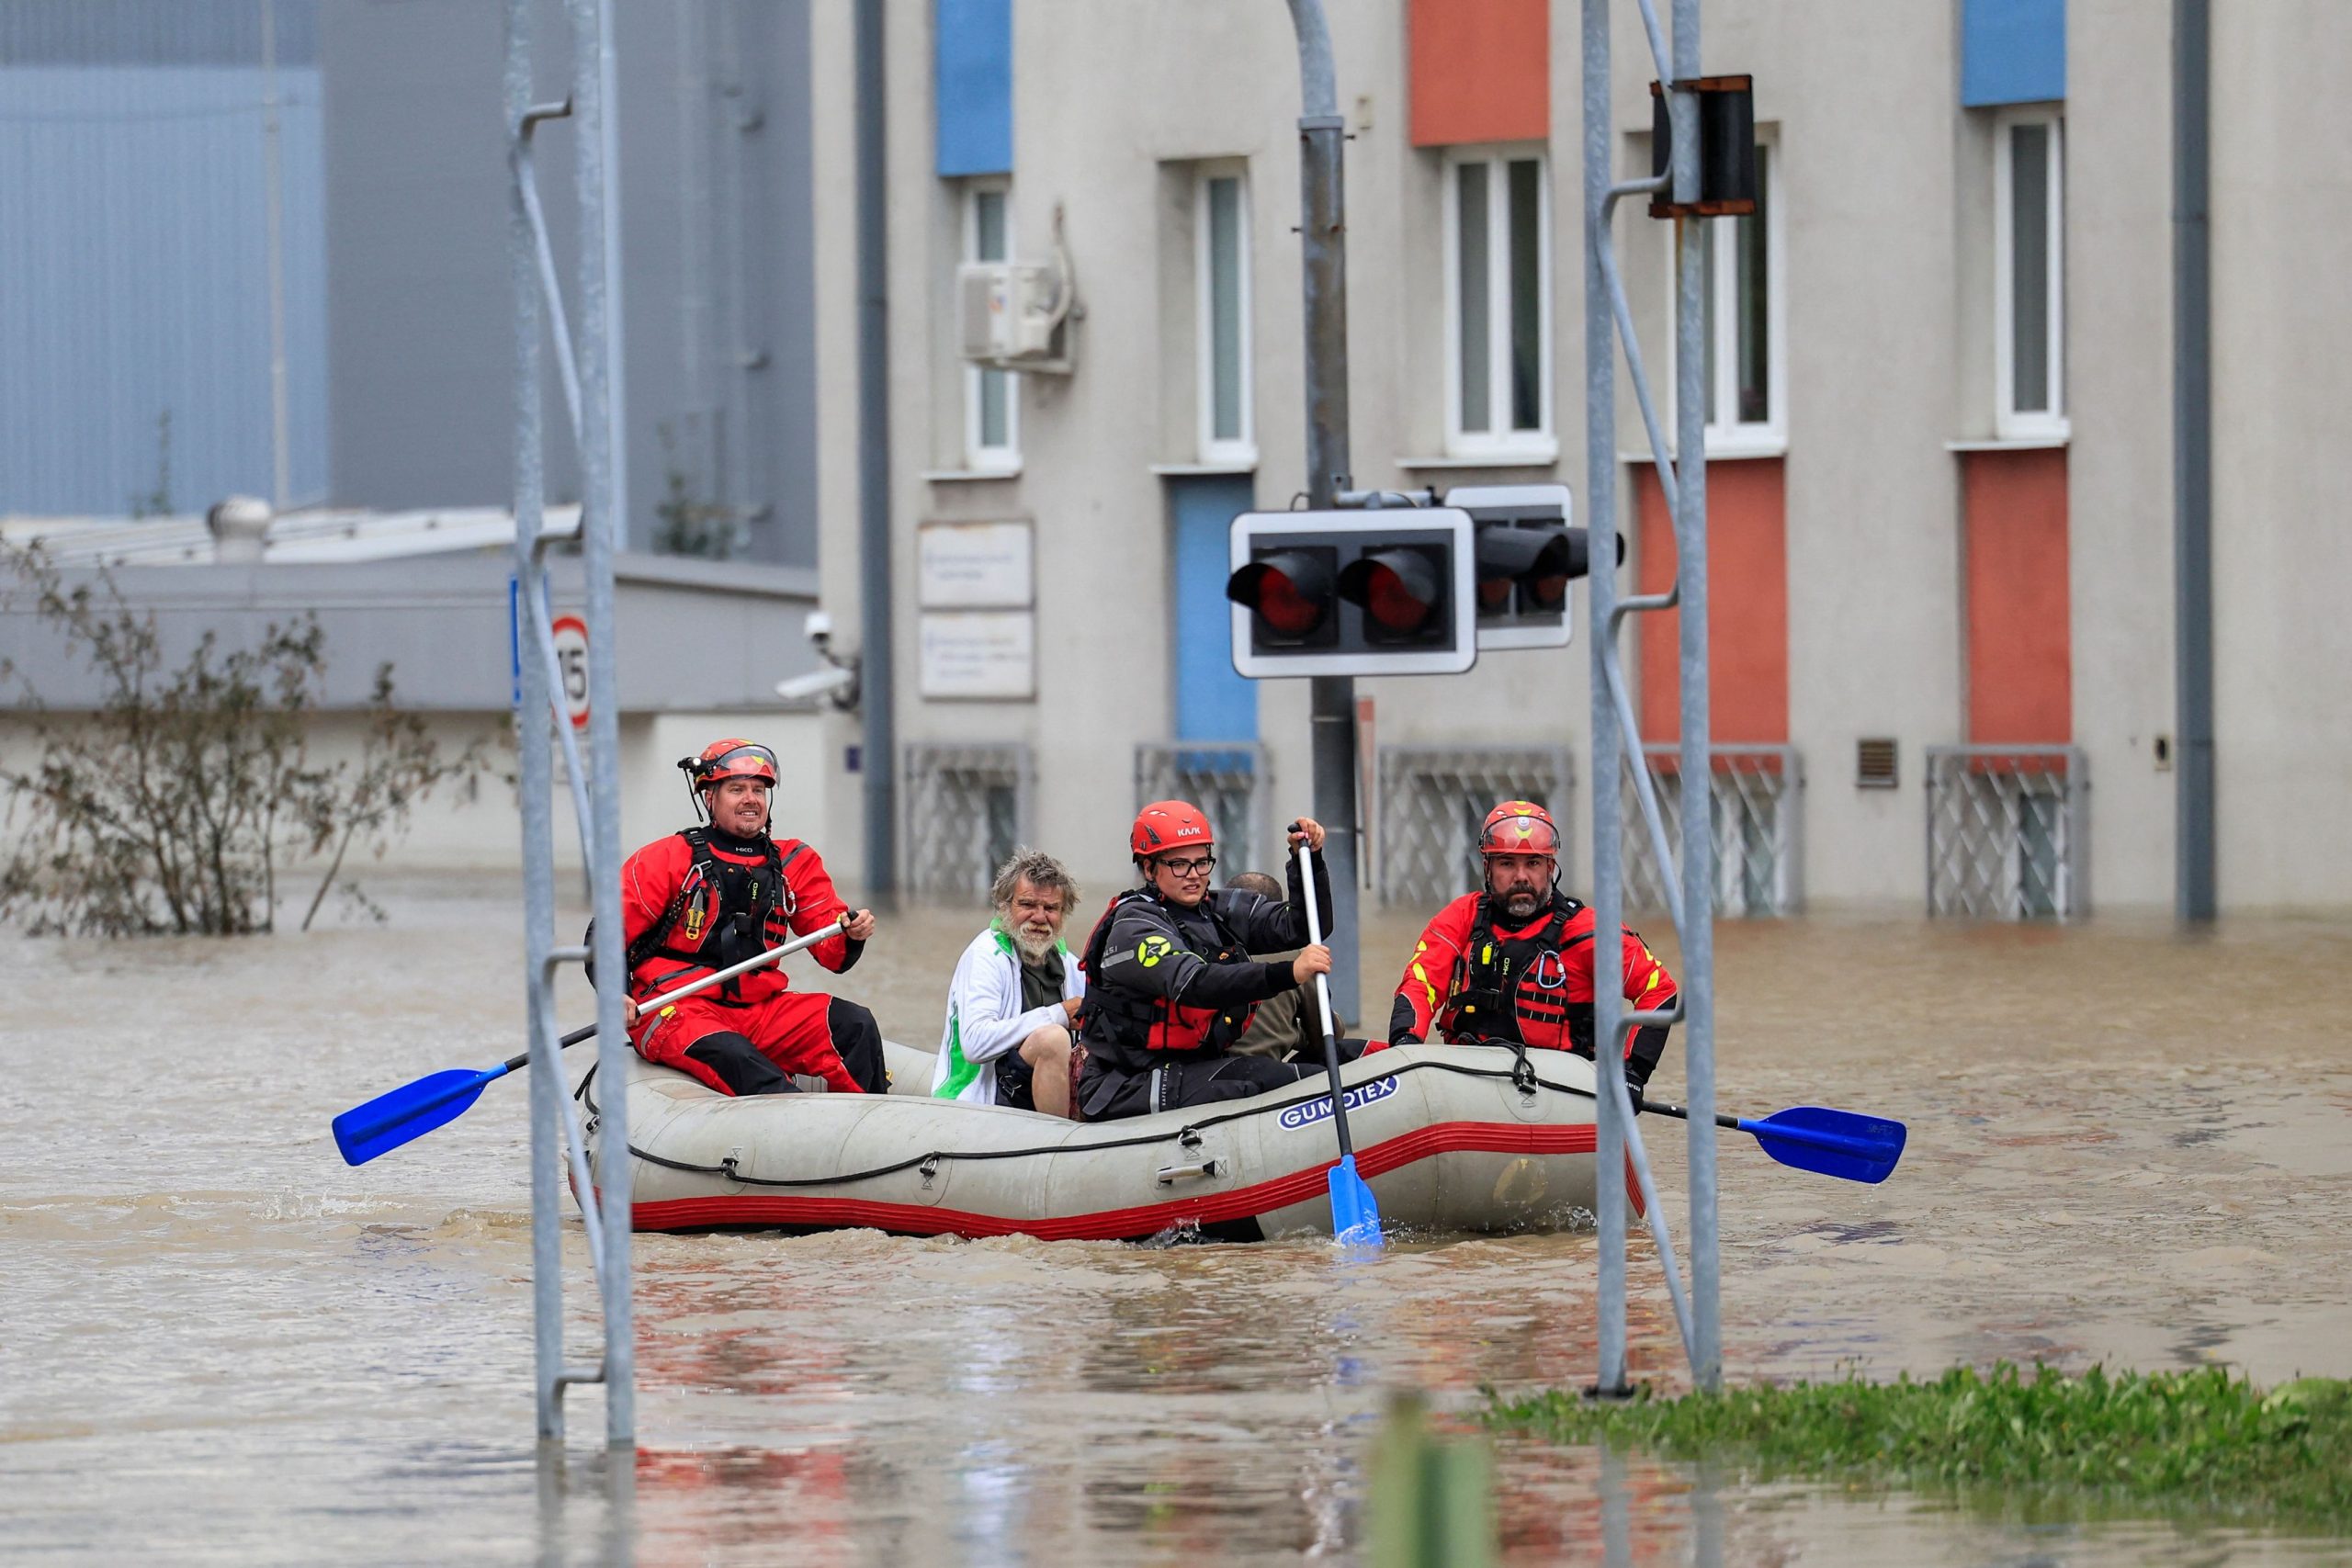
{"x": 541, "y": 721}
{"x": 1616, "y": 747}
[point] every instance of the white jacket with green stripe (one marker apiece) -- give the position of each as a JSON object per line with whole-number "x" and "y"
{"x": 985, "y": 1019}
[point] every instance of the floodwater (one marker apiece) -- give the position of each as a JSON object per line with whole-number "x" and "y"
{"x": 223, "y": 1345}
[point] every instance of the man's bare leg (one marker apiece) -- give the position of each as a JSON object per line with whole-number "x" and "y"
{"x": 1047, "y": 1054}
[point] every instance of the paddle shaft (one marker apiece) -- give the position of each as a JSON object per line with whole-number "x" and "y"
{"x": 784, "y": 950}
{"x": 1682, "y": 1114}
{"x": 1323, "y": 996}
{"x": 1812, "y": 1137}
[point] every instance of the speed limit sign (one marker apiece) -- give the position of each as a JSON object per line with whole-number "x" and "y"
{"x": 572, "y": 661}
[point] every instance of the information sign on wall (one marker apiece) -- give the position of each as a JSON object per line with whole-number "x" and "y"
{"x": 979, "y": 653}
{"x": 973, "y": 565}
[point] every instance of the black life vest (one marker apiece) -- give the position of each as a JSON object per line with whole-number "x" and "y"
{"x": 1516, "y": 988}
{"x": 1131, "y": 1024}
{"x": 721, "y": 914}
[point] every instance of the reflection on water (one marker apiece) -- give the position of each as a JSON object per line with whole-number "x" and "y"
{"x": 226, "y": 1346}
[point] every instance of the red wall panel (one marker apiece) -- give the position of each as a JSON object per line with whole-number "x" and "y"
{"x": 2021, "y": 664}
{"x": 1481, "y": 71}
{"x": 1747, "y": 604}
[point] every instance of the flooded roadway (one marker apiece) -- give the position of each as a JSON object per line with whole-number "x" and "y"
{"x": 225, "y": 1347}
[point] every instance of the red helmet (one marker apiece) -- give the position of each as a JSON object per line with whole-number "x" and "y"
{"x": 1167, "y": 824}
{"x": 733, "y": 758}
{"x": 1519, "y": 828}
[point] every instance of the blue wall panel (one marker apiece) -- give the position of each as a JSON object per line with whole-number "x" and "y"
{"x": 972, "y": 86}
{"x": 2012, "y": 51}
{"x": 1213, "y": 703}
{"x": 134, "y": 283}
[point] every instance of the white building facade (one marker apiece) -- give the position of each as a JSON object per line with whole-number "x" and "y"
{"x": 1940, "y": 433}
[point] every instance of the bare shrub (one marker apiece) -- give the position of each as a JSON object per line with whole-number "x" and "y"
{"x": 171, "y": 807}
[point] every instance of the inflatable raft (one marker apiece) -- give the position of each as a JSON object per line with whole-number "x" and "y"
{"x": 1451, "y": 1138}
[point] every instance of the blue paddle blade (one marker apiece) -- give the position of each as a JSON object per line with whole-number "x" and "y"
{"x": 1832, "y": 1143}
{"x": 1355, "y": 1214}
{"x": 387, "y": 1121}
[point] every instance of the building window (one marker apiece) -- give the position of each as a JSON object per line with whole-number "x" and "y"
{"x": 2029, "y": 275}
{"x": 1741, "y": 289}
{"x": 1499, "y": 307}
{"x": 991, "y": 398}
{"x": 1222, "y": 222}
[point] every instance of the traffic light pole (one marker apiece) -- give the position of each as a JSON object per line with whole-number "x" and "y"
{"x": 1322, "y": 231}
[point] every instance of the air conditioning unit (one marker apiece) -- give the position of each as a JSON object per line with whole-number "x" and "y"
{"x": 1015, "y": 315}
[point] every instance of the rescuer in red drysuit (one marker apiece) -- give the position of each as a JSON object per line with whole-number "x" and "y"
{"x": 715, "y": 894}
{"x": 1513, "y": 961}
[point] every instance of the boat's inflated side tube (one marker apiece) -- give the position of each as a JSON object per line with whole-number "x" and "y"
{"x": 1452, "y": 1138}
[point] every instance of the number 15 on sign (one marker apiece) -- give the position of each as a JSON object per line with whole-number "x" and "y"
{"x": 572, "y": 662}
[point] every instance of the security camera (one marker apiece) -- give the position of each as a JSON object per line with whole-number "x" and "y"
{"x": 836, "y": 682}
{"x": 817, "y": 683}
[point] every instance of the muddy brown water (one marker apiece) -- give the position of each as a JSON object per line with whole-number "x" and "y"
{"x": 223, "y": 1345}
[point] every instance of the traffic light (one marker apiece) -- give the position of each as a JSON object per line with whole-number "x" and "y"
{"x": 1526, "y": 556}
{"x": 1387, "y": 591}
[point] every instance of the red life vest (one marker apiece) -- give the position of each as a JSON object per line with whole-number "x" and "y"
{"x": 1516, "y": 987}
{"x": 722, "y": 913}
{"x": 1130, "y": 1022}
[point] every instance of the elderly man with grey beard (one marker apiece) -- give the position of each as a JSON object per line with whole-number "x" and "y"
{"x": 1013, "y": 1004}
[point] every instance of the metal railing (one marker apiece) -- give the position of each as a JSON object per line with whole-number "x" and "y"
{"x": 967, "y": 809}
{"x": 1756, "y": 796}
{"x": 1431, "y": 800}
{"x": 1231, "y": 782}
{"x": 592, "y": 401}
{"x": 2008, "y": 832}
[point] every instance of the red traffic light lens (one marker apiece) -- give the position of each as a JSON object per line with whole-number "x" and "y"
{"x": 1289, "y": 591}
{"x": 1389, "y": 601}
{"x": 1285, "y": 609}
{"x": 1401, "y": 591}
{"x": 1548, "y": 592}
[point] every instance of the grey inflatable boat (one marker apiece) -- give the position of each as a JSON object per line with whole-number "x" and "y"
{"x": 1451, "y": 1138}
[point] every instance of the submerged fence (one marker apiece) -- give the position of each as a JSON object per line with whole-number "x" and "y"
{"x": 1756, "y": 798}
{"x": 967, "y": 808}
{"x": 1432, "y": 799}
{"x": 2008, "y": 832}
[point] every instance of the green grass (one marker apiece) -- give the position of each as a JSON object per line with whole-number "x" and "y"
{"x": 2201, "y": 1442}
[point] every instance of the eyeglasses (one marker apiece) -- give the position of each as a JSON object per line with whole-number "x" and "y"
{"x": 1200, "y": 867}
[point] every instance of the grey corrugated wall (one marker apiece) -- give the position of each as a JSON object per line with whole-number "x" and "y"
{"x": 133, "y": 260}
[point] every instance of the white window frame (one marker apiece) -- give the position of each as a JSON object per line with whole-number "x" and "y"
{"x": 1243, "y": 448}
{"x": 1728, "y": 434}
{"x": 2011, "y": 423}
{"x": 1541, "y": 443}
{"x": 979, "y": 457}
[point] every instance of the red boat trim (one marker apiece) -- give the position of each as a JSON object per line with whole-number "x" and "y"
{"x": 757, "y": 1208}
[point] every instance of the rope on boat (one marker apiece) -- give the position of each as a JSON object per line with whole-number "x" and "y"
{"x": 1521, "y": 1073}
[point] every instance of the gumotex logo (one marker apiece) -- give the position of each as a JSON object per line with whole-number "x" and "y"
{"x": 1315, "y": 1111}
